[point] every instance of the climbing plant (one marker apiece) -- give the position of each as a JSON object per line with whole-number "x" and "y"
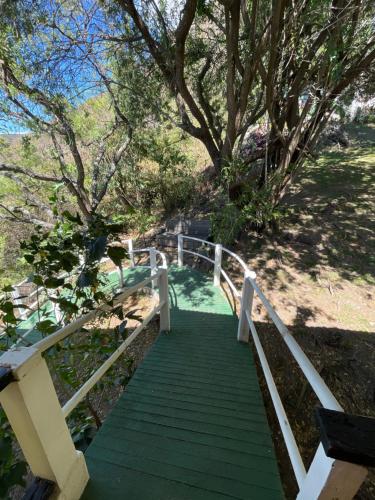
{"x": 69, "y": 282}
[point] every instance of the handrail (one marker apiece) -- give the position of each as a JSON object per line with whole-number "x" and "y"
{"x": 322, "y": 391}
{"x": 246, "y": 325}
{"x": 241, "y": 261}
{"x": 46, "y": 343}
{"x": 198, "y": 239}
{"x": 290, "y": 442}
{"x": 217, "y": 262}
{"x": 53, "y": 456}
{"x": 149, "y": 250}
{"x": 200, "y": 255}
{"x": 97, "y": 375}
{"x": 25, "y": 313}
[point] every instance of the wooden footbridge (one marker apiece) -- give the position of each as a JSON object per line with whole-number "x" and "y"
{"x": 191, "y": 423}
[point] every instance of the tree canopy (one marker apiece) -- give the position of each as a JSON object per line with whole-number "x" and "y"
{"x": 217, "y": 70}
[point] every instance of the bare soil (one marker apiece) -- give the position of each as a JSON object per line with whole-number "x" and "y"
{"x": 318, "y": 271}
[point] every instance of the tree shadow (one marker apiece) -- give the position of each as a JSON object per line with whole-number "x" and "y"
{"x": 344, "y": 359}
{"x": 190, "y": 288}
{"x": 330, "y": 219}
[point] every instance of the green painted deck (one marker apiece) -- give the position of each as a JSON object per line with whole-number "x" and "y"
{"x": 191, "y": 423}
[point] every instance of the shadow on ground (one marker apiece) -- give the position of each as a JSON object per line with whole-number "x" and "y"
{"x": 347, "y": 369}
{"x": 330, "y": 219}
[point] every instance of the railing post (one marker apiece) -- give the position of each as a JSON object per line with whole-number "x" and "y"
{"x": 131, "y": 253}
{"x": 58, "y": 314}
{"x": 247, "y": 296}
{"x": 154, "y": 268}
{"x": 217, "y": 269}
{"x": 328, "y": 478}
{"x": 180, "y": 250}
{"x": 165, "y": 322}
{"x": 33, "y": 410}
{"x": 18, "y": 302}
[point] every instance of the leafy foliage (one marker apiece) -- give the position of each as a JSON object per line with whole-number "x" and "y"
{"x": 65, "y": 263}
{"x": 12, "y": 470}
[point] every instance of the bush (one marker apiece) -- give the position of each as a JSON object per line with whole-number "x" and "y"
{"x": 161, "y": 175}
{"x": 227, "y": 223}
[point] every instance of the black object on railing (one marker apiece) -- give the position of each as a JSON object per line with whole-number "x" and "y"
{"x": 6, "y": 377}
{"x": 350, "y": 438}
{"x": 39, "y": 489}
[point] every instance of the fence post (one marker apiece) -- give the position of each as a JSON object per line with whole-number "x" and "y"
{"x": 154, "y": 268}
{"x": 217, "y": 269}
{"x": 328, "y": 478}
{"x": 180, "y": 250}
{"x": 18, "y": 302}
{"x": 165, "y": 322}
{"x": 58, "y": 314}
{"x": 247, "y": 296}
{"x": 131, "y": 253}
{"x": 34, "y": 412}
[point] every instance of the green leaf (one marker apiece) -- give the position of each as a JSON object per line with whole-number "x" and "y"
{"x": 117, "y": 254}
{"x": 29, "y": 257}
{"x": 97, "y": 248}
{"x": 88, "y": 304}
{"x": 76, "y": 219}
{"x": 53, "y": 282}
{"x": 37, "y": 279}
{"x": 16, "y": 473}
{"x": 7, "y": 306}
{"x": 5, "y": 450}
{"x": 46, "y": 326}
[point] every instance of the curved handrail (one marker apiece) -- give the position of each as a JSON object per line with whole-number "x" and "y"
{"x": 246, "y": 269}
{"x": 246, "y": 325}
{"x": 217, "y": 262}
{"x": 149, "y": 250}
{"x": 31, "y": 307}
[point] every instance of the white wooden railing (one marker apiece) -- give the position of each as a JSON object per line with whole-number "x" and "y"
{"x": 39, "y": 292}
{"x": 38, "y": 420}
{"x": 326, "y": 478}
{"x": 30, "y": 401}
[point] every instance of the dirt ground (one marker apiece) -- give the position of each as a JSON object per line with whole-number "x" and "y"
{"x": 318, "y": 271}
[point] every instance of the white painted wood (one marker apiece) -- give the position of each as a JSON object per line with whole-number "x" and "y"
{"x": 154, "y": 267}
{"x": 58, "y": 313}
{"x": 199, "y": 255}
{"x": 290, "y": 442}
{"x": 131, "y": 253}
{"x": 94, "y": 379}
{"x": 330, "y": 479}
{"x": 21, "y": 311}
{"x": 217, "y": 268}
{"x": 317, "y": 383}
{"x": 165, "y": 321}
{"x": 250, "y": 273}
{"x": 200, "y": 240}
{"x": 231, "y": 284}
{"x": 247, "y": 296}
{"x": 35, "y": 415}
{"x": 67, "y": 330}
{"x": 180, "y": 250}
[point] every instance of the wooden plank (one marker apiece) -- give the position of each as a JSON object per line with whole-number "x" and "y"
{"x": 191, "y": 423}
